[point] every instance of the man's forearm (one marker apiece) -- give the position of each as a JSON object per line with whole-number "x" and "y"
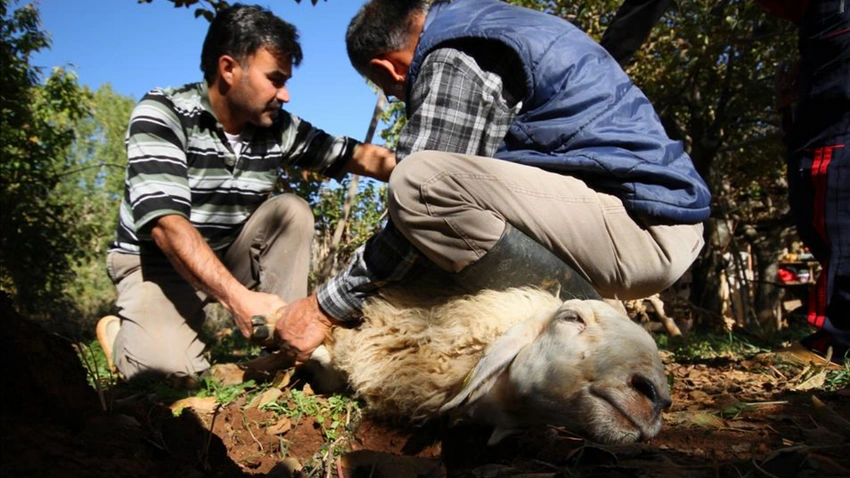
{"x": 372, "y": 161}
{"x": 194, "y": 260}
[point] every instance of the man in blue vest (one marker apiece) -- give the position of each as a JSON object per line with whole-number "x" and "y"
{"x": 528, "y": 157}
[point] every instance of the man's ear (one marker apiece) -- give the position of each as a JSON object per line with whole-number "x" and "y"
{"x": 385, "y": 68}
{"x": 228, "y": 69}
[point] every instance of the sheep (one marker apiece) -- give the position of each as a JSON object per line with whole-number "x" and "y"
{"x": 511, "y": 359}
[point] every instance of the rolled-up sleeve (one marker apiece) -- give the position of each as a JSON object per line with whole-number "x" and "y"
{"x": 312, "y": 148}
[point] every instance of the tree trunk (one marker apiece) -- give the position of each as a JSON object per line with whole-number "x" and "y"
{"x": 329, "y": 263}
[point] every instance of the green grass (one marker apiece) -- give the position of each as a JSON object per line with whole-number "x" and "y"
{"x": 224, "y": 394}
{"x": 94, "y": 362}
{"x": 839, "y": 379}
{"x": 331, "y": 413}
{"x": 701, "y": 346}
{"x": 231, "y": 348}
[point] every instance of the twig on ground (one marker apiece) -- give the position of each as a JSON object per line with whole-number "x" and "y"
{"x": 248, "y": 427}
{"x": 206, "y": 452}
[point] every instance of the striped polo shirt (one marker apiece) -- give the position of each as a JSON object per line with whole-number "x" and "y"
{"x": 180, "y": 162}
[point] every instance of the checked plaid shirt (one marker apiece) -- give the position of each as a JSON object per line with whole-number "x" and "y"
{"x": 457, "y": 105}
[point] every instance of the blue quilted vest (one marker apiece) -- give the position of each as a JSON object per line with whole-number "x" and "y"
{"x": 581, "y": 114}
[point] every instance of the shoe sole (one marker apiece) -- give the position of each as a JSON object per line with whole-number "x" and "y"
{"x": 103, "y": 339}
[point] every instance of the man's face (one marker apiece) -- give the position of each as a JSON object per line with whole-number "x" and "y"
{"x": 259, "y": 88}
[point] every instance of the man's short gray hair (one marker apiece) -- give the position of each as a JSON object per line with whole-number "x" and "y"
{"x": 381, "y": 26}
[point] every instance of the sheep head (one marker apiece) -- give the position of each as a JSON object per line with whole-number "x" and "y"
{"x": 583, "y": 366}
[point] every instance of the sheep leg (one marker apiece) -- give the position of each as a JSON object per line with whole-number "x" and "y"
{"x": 669, "y": 323}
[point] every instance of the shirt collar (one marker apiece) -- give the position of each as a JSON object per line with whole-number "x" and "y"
{"x": 204, "y": 93}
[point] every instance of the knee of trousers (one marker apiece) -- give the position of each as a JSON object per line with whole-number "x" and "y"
{"x": 139, "y": 357}
{"x": 404, "y": 195}
{"x": 293, "y": 212}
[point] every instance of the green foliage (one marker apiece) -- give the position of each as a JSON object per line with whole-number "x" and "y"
{"x": 94, "y": 361}
{"x": 37, "y": 247}
{"x": 224, "y": 394}
{"x": 93, "y": 185}
{"x": 62, "y": 174}
{"x": 207, "y": 13}
{"x": 330, "y": 413}
{"x": 366, "y": 210}
{"x": 838, "y": 379}
{"x": 394, "y": 116}
{"x": 232, "y": 347}
{"x": 707, "y": 346}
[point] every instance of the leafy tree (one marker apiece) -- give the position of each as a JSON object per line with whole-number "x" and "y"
{"x": 93, "y": 184}
{"x": 37, "y": 249}
{"x": 62, "y": 176}
{"x": 710, "y": 70}
{"x": 208, "y": 8}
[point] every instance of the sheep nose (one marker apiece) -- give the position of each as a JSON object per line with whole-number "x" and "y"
{"x": 644, "y": 386}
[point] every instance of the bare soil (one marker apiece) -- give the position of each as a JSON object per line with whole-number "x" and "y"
{"x": 754, "y": 416}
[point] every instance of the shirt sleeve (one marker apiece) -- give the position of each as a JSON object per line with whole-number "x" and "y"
{"x": 157, "y": 175}
{"x": 311, "y": 148}
{"x": 386, "y": 257}
{"x": 457, "y": 107}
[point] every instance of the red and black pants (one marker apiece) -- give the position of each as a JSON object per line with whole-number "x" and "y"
{"x": 819, "y": 160}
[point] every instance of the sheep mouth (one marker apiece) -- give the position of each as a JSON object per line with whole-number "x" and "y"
{"x": 645, "y": 429}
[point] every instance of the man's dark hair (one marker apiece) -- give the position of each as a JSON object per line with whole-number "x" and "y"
{"x": 381, "y": 26}
{"x": 240, "y": 30}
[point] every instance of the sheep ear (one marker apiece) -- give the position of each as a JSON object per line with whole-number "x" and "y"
{"x": 497, "y": 358}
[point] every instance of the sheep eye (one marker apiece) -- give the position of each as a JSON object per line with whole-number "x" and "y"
{"x": 570, "y": 315}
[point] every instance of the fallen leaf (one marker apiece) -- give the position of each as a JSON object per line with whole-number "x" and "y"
{"x": 265, "y": 398}
{"x": 815, "y": 381}
{"x": 698, "y": 395}
{"x": 200, "y": 405}
{"x": 741, "y": 448}
{"x": 227, "y": 374}
{"x": 821, "y": 436}
{"x": 707, "y": 420}
{"x": 282, "y": 426}
{"x": 282, "y": 378}
{"x": 308, "y": 390}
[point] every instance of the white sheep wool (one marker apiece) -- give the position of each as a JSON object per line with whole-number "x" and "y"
{"x": 513, "y": 359}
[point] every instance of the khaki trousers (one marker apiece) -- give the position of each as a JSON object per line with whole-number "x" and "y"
{"x": 162, "y": 314}
{"x": 454, "y": 207}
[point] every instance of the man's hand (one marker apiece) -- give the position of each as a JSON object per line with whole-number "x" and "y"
{"x": 251, "y": 303}
{"x": 302, "y": 327}
{"x": 190, "y": 254}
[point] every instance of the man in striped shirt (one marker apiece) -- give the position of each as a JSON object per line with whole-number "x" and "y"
{"x": 197, "y": 222}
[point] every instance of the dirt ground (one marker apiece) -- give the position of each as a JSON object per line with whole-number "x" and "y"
{"x": 755, "y": 416}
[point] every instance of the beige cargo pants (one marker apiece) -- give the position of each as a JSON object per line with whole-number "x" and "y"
{"x": 162, "y": 314}
{"x": 454, "y": 207}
